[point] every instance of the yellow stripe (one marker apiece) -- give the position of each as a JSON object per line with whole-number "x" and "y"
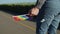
{"x": 28, "y": 26}
{"x": 21, "y": 18}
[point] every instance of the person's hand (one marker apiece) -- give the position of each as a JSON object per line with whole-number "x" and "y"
{"x": 33, "y": 12}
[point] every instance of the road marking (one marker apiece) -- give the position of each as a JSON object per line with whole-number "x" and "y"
{"x": 21, "y": 24}
{"x": 27, "y": 26}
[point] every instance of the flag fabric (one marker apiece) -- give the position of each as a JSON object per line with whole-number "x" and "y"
{"x": 21, "y": 17}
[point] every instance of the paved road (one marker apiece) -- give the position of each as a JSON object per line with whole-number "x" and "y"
{"x": 9, "y": 26}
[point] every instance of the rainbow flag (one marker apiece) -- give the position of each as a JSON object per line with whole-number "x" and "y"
{"x": 21, "y": 17}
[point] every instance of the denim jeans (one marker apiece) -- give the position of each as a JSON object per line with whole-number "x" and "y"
{"x": 51, "y": 17}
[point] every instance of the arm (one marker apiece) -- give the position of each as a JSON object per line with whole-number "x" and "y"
{"x": 35, "y": 10}
{"x": 40, "y": 3}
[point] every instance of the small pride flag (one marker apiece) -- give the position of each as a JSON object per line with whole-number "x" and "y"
{"x": 21, "y": 17}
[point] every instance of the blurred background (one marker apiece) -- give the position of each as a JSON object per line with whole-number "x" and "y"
{"x": 16, "y": 1}
{"x": 9, "y": 8}
{"x": 16, "y": 6}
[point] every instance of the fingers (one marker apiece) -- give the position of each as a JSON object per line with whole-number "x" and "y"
{"x": 30, "y": 13}
{"x": 33, "y": 12}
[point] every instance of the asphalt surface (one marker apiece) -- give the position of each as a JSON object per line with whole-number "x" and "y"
{"x": 9, "y": 26}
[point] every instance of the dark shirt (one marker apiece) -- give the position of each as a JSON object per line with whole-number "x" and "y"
{"x": 40, "y": 3}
